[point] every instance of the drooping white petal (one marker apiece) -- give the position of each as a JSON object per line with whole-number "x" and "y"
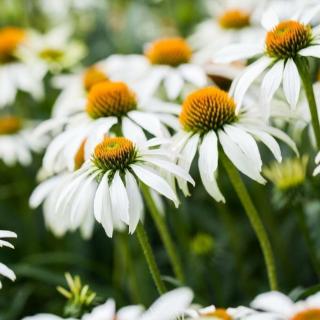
{"x": 8, "y": 273}
{"x": 155, "y": 182}
{"x": 7, "y": 234}
{"x": 132, "y": 131}
{"x": 102, "y": 206}
{"x": 250, "y": 74}
{"x": 130, "y": 313}
{"x": 193, "y": 74}
{"x": 135, "y": 201}
{"x": 291, "y": 82}
{"x": 237, "y": 52}
{"x": 239, "y": 159}
{"x": 312, "y": 51}
{"x": 173, "y": 84}
{"x": 208, "y": 163}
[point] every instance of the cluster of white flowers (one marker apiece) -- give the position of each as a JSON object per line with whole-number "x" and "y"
{"x": 131, "y": 123}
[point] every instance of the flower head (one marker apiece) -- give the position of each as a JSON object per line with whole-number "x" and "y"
{"x": 93, "y": 75}
{"x": 234, "y": 19}
{"x": 10, "y": 39}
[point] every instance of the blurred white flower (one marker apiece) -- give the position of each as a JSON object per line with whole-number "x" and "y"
{"x": 107, "y": 185}
{"x": 16, "y": 74}
{"x": 54, "y": 51}
{"x": 284, "y": 42}
{"x": 46, "y": 316}
{"x": 109, "y": 105}
{"x": 4, "y": 270}
{"x": 16, "y": 141}
{"x": 211, "y": 119}
{"x": 171, "y": 67}
{"x": 283, "y": 308}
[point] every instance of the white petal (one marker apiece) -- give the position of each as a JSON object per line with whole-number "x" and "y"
{"x": 102, "y": 206}
{"x": 7, "y": 234}
{"x": 170, "y": 305}
{"x": 8, "y": 273}
{"x": 132, "y": 131}
{"x": 237, "y": 52}
{"x": 155, "y": 182}
{"x": 239, "y": 159}
{"x": 135, "y": 201}
{"x": 173, "y": 84}
{"x": 193, "y": 74}
{"x": 312, "y": 51}
{"x": 291, "y": 82}
{"x": 130, "y": 313}
{"x": 269, "y": 19}
{"x": 250, "y": 74}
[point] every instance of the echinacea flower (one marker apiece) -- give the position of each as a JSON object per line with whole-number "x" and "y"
{"x": 212, "y": 122}
{"x": 283, "y": 308}
{"x": 109, "y": 105}
{"x": 53, "y": 51}
{"x": 4, "y": 270}
{"x": 170, "y": 65}
{"x": 15, "y": 141}
{"x": 16, "y": 74}
{"x": 284, "y": 43}
{"x": 107, "y": 185}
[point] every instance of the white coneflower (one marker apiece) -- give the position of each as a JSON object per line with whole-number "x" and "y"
{"x": 15, "y": 141}
{"x": 4, "y": 270}
{"x": 285, "y": 42}
{"x": 15, "y": 74}
{"x": 109, "y": 182}
{"x": 211, "y": 119}
{"x": 283, "y": 308}
{"x": 170, "y": 65}
{"x": 53, "y": 51}
{"x": 109, "y": 104}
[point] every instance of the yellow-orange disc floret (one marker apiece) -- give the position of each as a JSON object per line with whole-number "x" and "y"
{"x": 287, "y": 39}
{"x": 92, "y": 76}
{"x": 169, "y": 51}
{"x": 220, "y": 314}
{"x": 79, "y": 156}
{"x": 107, "y": 99}
{"x": 311, "y": 314}
{"x": 114, "y": 153}
{"x": 207, "y": 109}
{"x": 234, "y": 19}
{"x": 10, "y": 125}
{"x": 10, "y": 39}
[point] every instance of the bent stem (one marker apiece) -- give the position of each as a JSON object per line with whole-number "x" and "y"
{"x": 254, "y": 219}
{"x": 304, "y": 71}
{"x": 164, "y": 233}
{"x": 148, "y": 254}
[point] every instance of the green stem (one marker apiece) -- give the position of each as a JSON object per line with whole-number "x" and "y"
{"x": 147, "y": 251}
{"x": 312, "y": 248}
{"x": 164, "y": 233}
{"x": 254, "y": 219}
{"x": 304, "y": 71}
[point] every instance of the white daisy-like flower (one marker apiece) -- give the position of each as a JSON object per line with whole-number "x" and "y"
{"x": 170, "y": 66}
{"x": 15, "y": 141}
{"x": 211, "y": 120}
{"x": 231, "y": 22}
{"x": 52, "y": 51}
{"x": 283, "y": 308}
{"x": 284, "y": 43}
{"x": 4, "y": 270}
{"x": 214, "y": 313}
{"x": 75, "y": 87}
{"x": 110, "y": 105}
{"x": 46, "y": 316}
{"x": 15, "y": 74}
{"x": 110, "y": 183}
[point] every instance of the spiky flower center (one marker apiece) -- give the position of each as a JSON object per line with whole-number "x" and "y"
{"x": 107, "y": 99}
{"x": 169, "y": 51}
{"x": 92, "y": 76}
{"x": 287, "y": 39}
{"x": 234, "y": 19}
{"x": 52, "y": 55}
{"x": 220, "y": 314}
{"x": 114, "y": 153}
{"x": 207, "y": 109}
{"x": 10, "y": 125}
{"x": 311, "y": 314}
{"x": 10, "y": 39}
{"x": 79, "y": 156}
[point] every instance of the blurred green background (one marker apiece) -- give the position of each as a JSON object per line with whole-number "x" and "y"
{"x": 220, "y": 254}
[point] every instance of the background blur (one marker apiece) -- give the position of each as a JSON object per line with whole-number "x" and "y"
{"x": 220, "y": 254}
